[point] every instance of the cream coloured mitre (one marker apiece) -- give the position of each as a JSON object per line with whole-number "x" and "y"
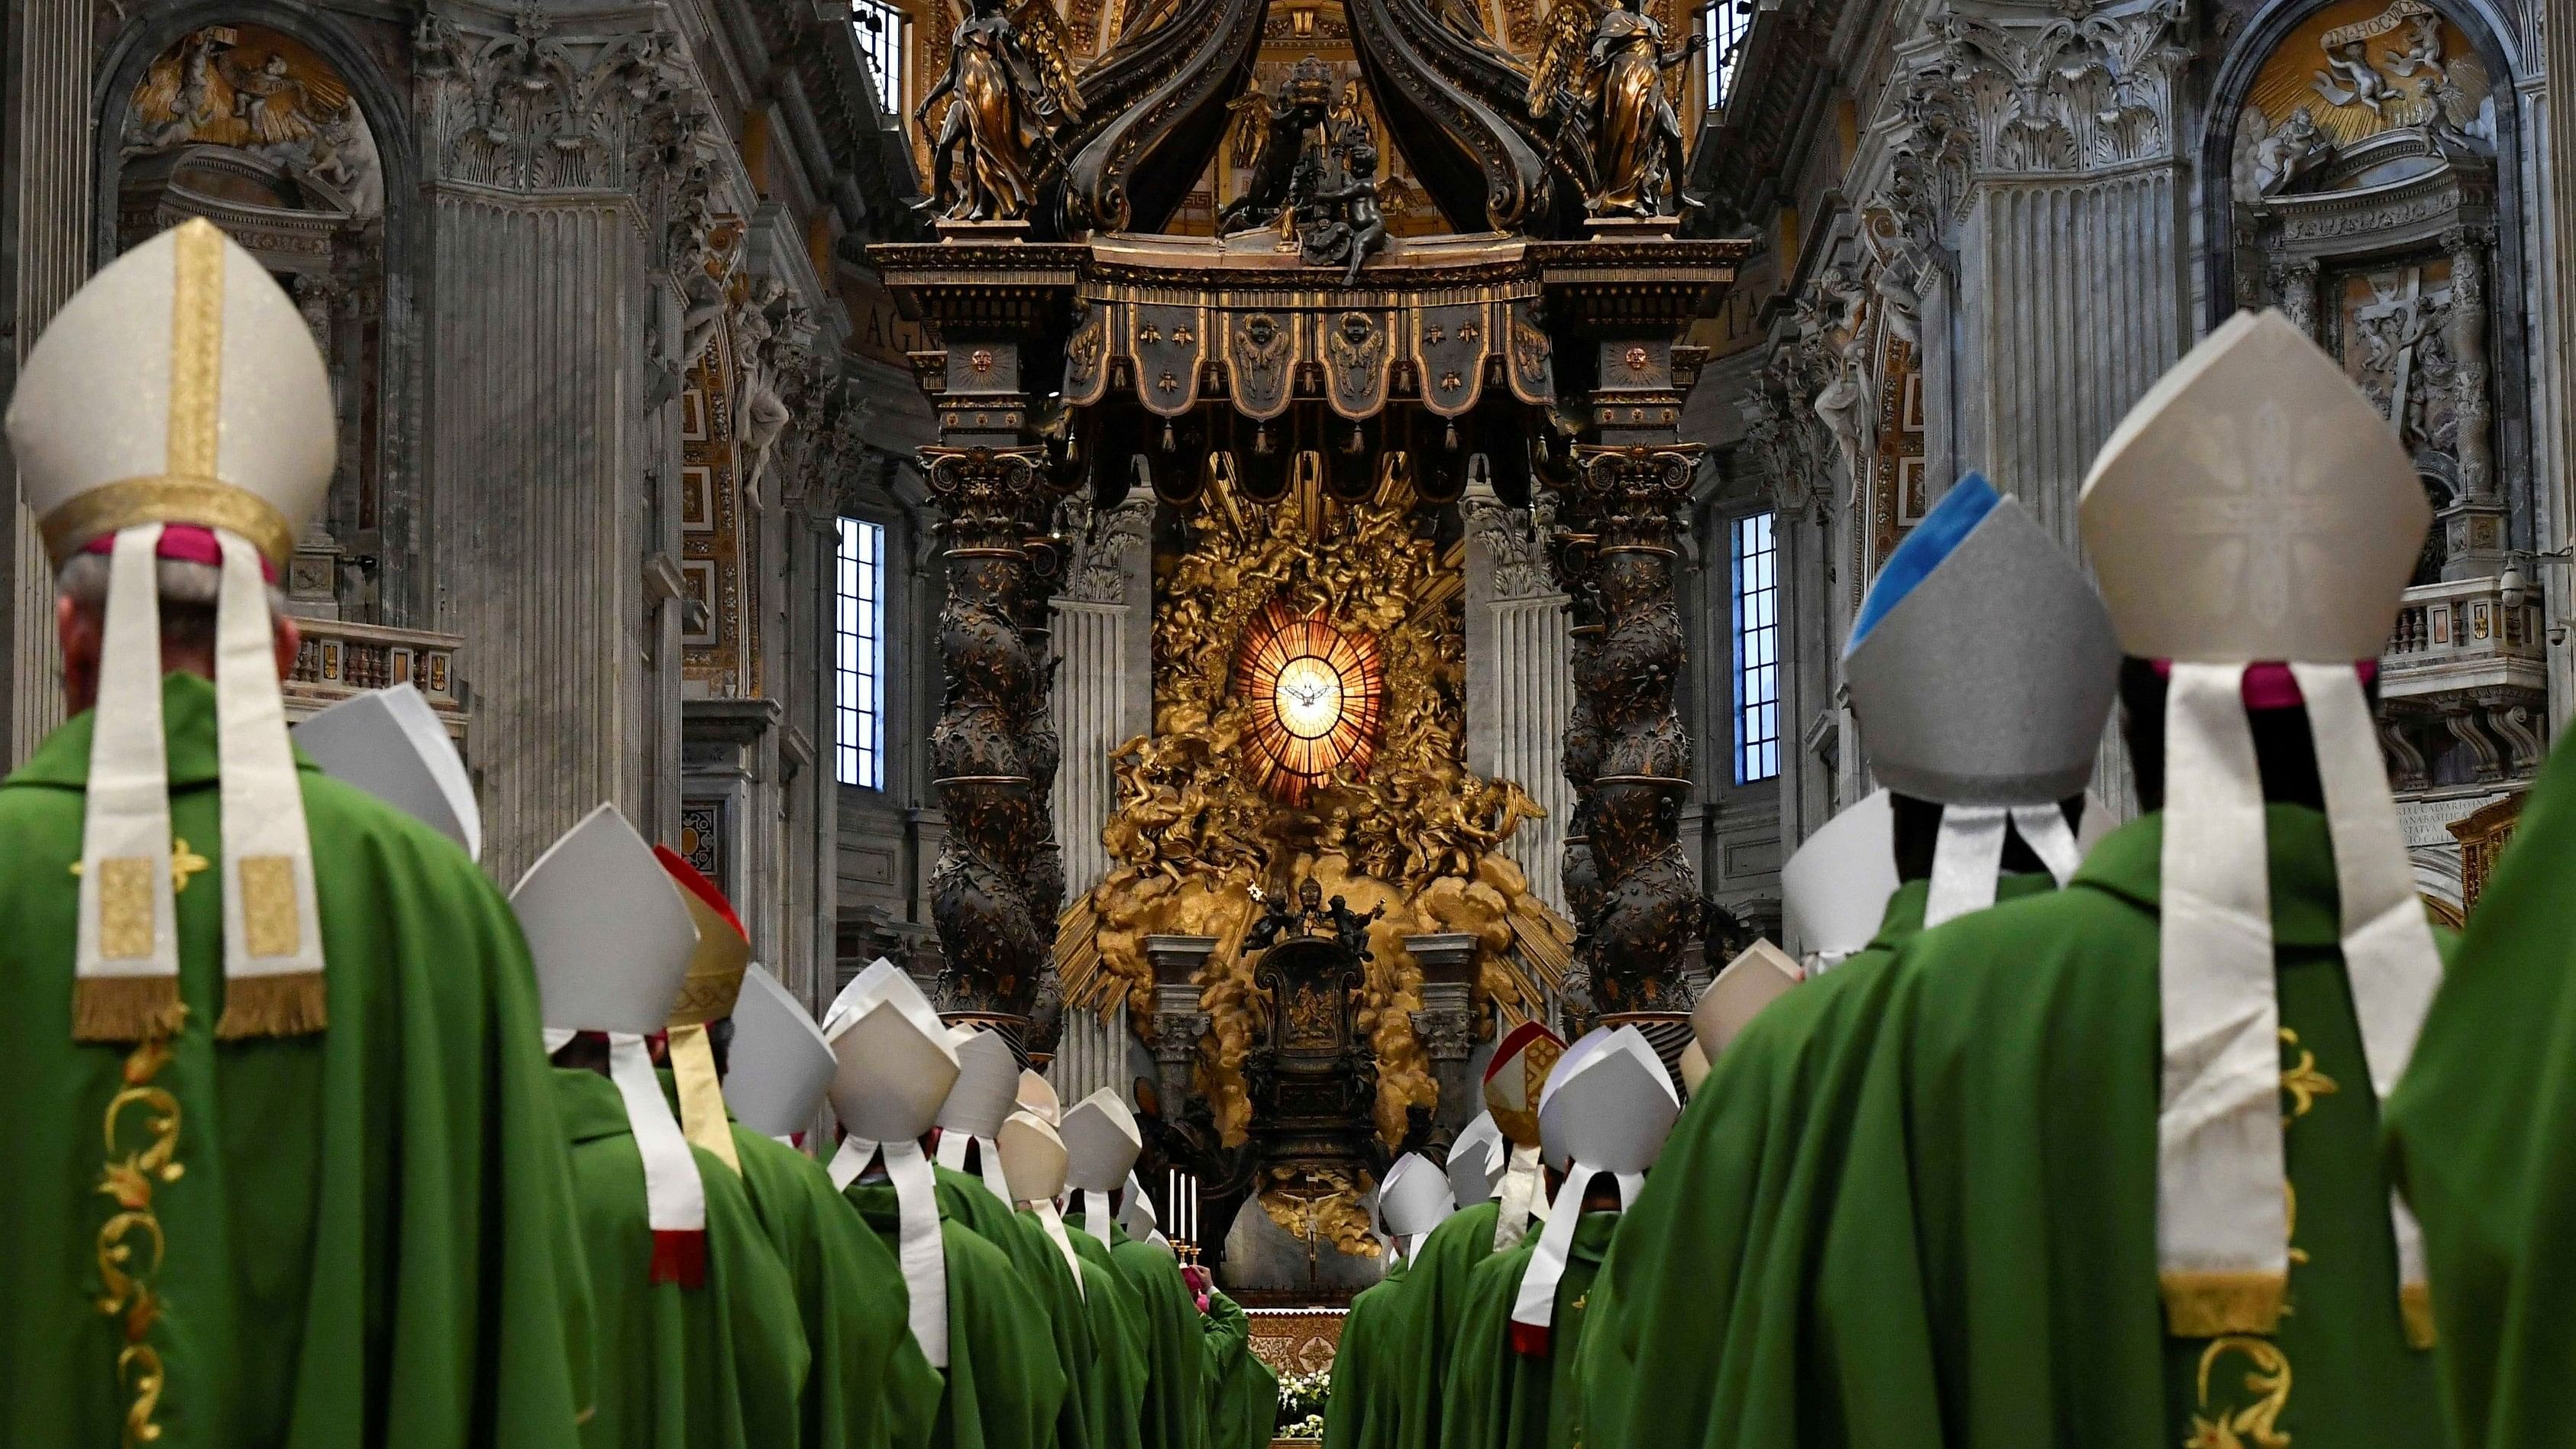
{"x": 1101, "y": 1135}
{"x": 1759, "y": 975}
{"x": 1607, "y": 1109}
{"x": 1136, "y": 1214}
{"x": 609, "y": 934}
{"x": 391, "y": 744}
{"x": 1476, "y": 1161}
{"x": 988, "y": 1076}
{"x": 1033, "y": 1158}
{"x": 894, "y": 1065}
{"x": 2254, "y": 521}
{"x": 176, "y": 407}
{"x": 1693, "y": 1066}
{"x": 1037, "y": 1095}
{"x": 779, "y": 1065}
{"x": 1412, "y": 1199}
{"x": 611, "y": 941}
{"x": 864, "y": 990}
{"x": 988, "y": 1080}
{"x": 1834, "y": 889}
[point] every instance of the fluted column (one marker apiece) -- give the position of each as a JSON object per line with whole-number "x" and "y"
{"x": 48, "y": 219}
{"x": 549, "y": 490}
{"x": 1104, "y": 679}
{"x": 1520, "y": 679}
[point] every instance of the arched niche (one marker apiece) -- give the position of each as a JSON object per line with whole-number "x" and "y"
{"x": 280, "y": 127}
{"x": 2361, "y": 173}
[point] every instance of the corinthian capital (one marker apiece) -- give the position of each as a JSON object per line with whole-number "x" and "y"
{"x": 2072, "y": 87}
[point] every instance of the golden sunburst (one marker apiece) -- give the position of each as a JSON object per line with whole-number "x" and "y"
{"x": 1315, "y": 693}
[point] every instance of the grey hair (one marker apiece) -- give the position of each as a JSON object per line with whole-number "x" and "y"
{"x": 188, "y": 594}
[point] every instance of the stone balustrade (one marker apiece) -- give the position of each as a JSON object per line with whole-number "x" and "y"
{"x": 2464, "y": 687}
{"x": 340, "y": 659}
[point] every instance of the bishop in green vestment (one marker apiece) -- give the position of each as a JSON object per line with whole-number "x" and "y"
{"x": 1424, "y": 1340}
{"x": 720, "y": 1363}
{"x": 1005, "y": 1385}
{"x": 1084, "y": 1413}
{"x": 1175, "y": 1401}
{"x": 2482, "y": 1134}
{"x": 1369, "y": 1371}
{"x": 295, "y": 1189}
{"x": 288, "y": 1172}
{"x": 1497, "y": 1397}
{"x": 1243, "y": 1394}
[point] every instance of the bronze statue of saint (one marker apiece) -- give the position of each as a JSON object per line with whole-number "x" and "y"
{"x": 1013, "y": 87}
{"x": 1601, "y": 71}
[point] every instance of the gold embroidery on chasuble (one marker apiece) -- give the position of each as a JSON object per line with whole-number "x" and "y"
{"x": 270, "y": 925}
{"x": 2266, "y": 1381}
{"x": 126, "y": 1277}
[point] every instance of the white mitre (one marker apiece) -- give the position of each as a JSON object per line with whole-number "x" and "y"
{"x": 1834, "y": 888}
{"x": 1412, "y": 1199}
{"x": 1982, "y": 667}
{"x": 1476, "y": 1161}
{"x": 894, "y": 1067}
{"x": 611, "y": 941}
{"x": 865, "y": 989}
{"x": 988, "y": 1079}
{"x": 779, "y": 1065}
{"x": 176, "y": 408}
{"x": 2253, "y": 522}
{"x": 1136, "y": 1213}
{"x": 1103, "y": 1140}
{"x": 1607, "y": 1109}
{"x": 391, "y": 744}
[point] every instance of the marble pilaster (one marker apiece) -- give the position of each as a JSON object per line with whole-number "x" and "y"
{"x": 1520, "y": 679}
{"x": 47, "y": 169}
{"x": 1104, "y": 680}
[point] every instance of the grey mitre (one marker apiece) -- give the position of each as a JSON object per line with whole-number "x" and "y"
{"x": 1990, "y": 682}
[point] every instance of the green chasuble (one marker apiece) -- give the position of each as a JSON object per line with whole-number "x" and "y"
{"x": 1243, "y": 1394}
{"x": 1004, "y": 1385}
{"x": 1421, "y": 1341}
{"x": 1117, "y": 1335}
{"x": 2483, "y": 1131}
{"x": 869, "y": 1387}
{"x": 1710, "y": 1244}
{"x": 716, "y": 1365}
{"x": 1498, "y": 1398}
{"x": 359, "y": 1236}
{"x": 1042, "y": 1272}
{"x": 1987, "y": 1270}
{"x": 1175, "y": 1406}
{"x": 1364, "y": 1406}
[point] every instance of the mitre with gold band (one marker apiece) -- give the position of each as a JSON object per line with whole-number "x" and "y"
{"x": 714, "y": 983}
{"x": 1513, "y": 1081}
{"x": 177, "y": 409}
{"x": 2253, "y": 522}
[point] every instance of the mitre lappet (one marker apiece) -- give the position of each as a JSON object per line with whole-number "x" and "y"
{"x": 894, "y": 1066}
{"x": 1982, "y": 667}
{"x": 1606, "y": 1110}
{"x": 391, "y": 744}
{"x": 1103, "y": 1142}
{"x": 708, "y": 996}
{"x": 2253, "y": 522}
{"x": 1033, "y": 1168}
{"x": 780, "y": 1066}
{"x": 1412, "y": 1199}
{"x": 612, "y": 941}
{"x": 1514, "y": 1080}
{"x": 988, "y": 1082}
{"x": 176, "y": 410}
{"x": 1475, "y": 1166}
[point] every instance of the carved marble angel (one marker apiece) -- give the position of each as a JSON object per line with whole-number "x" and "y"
{"x": 1600, "y": 71}
{"x": 1013, "y": 80}
{"x": 2349, "y": 79}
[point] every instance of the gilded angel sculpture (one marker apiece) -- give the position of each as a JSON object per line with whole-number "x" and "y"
{"x": 1601, "y": 73}
{"x": 1012, "y": 78}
